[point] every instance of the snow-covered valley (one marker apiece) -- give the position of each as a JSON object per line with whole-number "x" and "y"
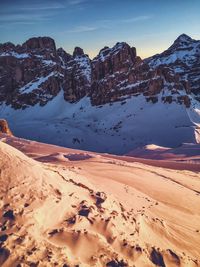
{"x": 113, "y": 128}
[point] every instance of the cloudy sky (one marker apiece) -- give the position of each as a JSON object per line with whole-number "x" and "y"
{"x": 149, "y": 25}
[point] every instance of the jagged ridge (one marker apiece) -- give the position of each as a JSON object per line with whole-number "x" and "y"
{"x": 35, "y": 72}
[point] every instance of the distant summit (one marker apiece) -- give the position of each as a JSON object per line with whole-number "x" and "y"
{"x": 183, "y": 38}
{"x": 40, "y": 43}
{"x": 183, "y": 58}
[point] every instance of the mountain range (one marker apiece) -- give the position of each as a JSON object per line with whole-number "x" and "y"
{"x": 113, "y": 103}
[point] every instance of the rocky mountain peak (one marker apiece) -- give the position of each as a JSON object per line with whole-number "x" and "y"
{"x": 78, "y": 52}
{"x": 64, "y": 55}
{"x": 7, "y": 47}
{"x": 119, "y": 58}
{"x": 103, "y": 53}
{"x": 183, "y": 39}
{"x": 120, "y": 45}
{"x": 120, "y": 48}
{"x": 40, "y": 43}
{"x": 182, "y": 42}
{"x": 183, "y": 57}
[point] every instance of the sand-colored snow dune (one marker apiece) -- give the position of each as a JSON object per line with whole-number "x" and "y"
{"x": 73, "y": 208}
{"x": 187, "y": 157}
{"x": 184, "y": 153}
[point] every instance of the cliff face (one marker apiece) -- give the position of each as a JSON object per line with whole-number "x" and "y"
{"x": 77, "y": 76}
{"x": 35, "y": 72}
{"x": 29, "y": 74}
{"x": 119, "y": 74}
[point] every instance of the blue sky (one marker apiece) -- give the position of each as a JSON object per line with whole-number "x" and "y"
{"x": 149, "y": 25}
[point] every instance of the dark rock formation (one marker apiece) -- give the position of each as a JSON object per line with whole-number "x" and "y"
{"x": 77, "y": 79}
{"x": 78, "y": 52}
{"x": 4, "y": 255}
{"x": 116, "y": 263}
{"x": 118, "y": 74}
{"x": 157, "y": 258}
{"x": 35, "y": 72}
{"x": 39, "y": 43}
{"x": 9, "y": 215}
{"x": 6, "y": 47}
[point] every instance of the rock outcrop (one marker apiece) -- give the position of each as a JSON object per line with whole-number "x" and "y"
{"x": 4, "y": 128}
{"x": 46, "y": 43}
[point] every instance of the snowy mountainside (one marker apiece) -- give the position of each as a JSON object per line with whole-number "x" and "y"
{"x": 183, "y": 56}
{"x": 113, "y": 103}
{"x": 115, "y": 127}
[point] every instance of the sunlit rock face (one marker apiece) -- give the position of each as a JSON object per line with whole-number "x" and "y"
{"x": 4, "y": 128}
{"x": 35, "y": 72}
{"x": 119, "y": 74}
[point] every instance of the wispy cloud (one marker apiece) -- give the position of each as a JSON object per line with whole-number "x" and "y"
{"x": 107, "y": 24}
{"x": 46, "y": 6}
{"x": 80, "y": 29}
{"x": 23, "y": 18}
{"x": 76, "y": 2}
{"x": 136, "y": 19}
{"x": 29, "y": 13}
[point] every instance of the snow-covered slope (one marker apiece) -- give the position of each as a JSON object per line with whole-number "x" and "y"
{"x": 187, "y": 153}
{"x": 117, "y": 127}
{"x": 85, "y": 209}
